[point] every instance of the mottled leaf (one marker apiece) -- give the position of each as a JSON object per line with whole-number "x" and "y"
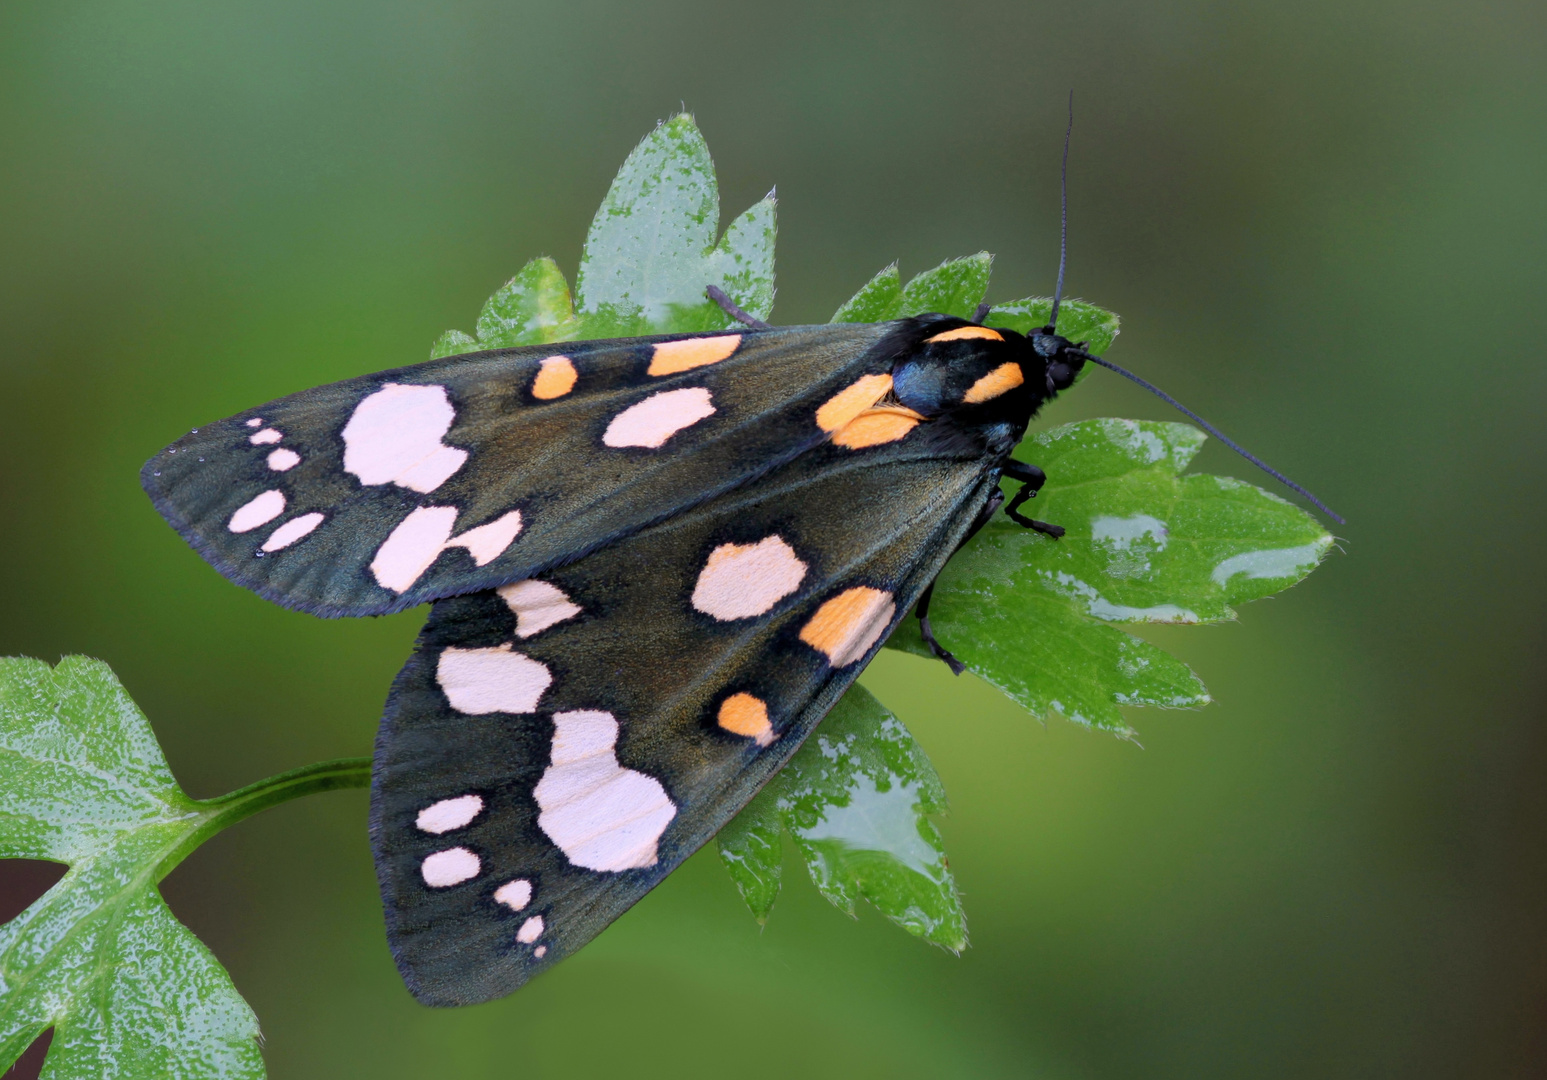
{"x": 880, "y": 299}
{"x": 856, "y": 799}
{"x": 128, "y": 990}
{"x": 532, "y": 308}
{"x": 1038, "y": 617}
{"x": 955, "y": 287}
{"x": 453, "y": 343}
{"x": 651, "y": 250}
{"x": 650, "y": 254}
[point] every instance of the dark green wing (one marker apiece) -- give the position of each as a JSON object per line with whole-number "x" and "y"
{"x": 378, "y": 493}
{"x": 555, "y": 748}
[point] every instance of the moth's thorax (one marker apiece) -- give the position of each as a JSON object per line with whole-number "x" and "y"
{"x": 988, "y": 380}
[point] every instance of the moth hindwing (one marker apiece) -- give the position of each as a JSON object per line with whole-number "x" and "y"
{"x": 556, "y": 747}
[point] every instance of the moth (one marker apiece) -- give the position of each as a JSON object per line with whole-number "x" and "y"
{"x": 654, "y": 565}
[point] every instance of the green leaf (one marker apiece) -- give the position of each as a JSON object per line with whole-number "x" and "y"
{"x": 955, "y": 287}
{"x": 751, "y": 848}
{"x": 129, "y": 991}
{"x": 650, "y": 254}
{"x": 1077, "y": 321}
{"x": 651, "y": 250}
{"x": 1038, "y": 617}
{"x": 856, "y": 799}
{"x": 453, "y": 343}
{"x": 879, "y": 300}
{"x": 532, "y": 308}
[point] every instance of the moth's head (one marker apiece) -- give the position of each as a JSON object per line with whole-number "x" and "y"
{"x": 982, "y": 373}
{"x": 1061, "y": 357}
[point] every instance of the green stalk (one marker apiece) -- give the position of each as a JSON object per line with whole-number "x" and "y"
{"x": 224, "y": 811}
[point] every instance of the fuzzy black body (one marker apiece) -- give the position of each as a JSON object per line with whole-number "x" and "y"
{"x": 641, "y": 608}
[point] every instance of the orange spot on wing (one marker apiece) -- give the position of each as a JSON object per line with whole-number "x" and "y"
{"x": 743, "y": 714}
{"x": 883, "y": 424}
{"x": 852, "y": 400}
{"x": 1006, "y": 376}
{"x": 554, "y": 379}
{"x": 845, "y": 627}
{"x": 674, "y": 356}
{"x": 961, "y": 333}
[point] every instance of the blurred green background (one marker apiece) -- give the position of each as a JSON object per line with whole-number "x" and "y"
{"x": 1323, "y": 226}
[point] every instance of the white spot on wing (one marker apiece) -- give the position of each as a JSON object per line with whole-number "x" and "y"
{"x": 603, "y": 816}
{"x": 260, "y": 510}
{"x": 514, "y": 894}
{"x": 487, "y": 542}
{"x": 420, "y": 538}
{"x": 658, "y": 417}
{"x": 530, "y": 930}
{"x": 540, "y": 952}
{"x": 266, "y": 437}
{"x": 480, "y": 681}
{"x": 256, "y": 421}
{"x": 450, "y": 867}
{"x": 536, "y": 605}
{"x": 282, "y": 460}
{"x": 394, "y": 436}
{"x": 293, "y": 530}
{"x": 742, "y": 580}
{"x": 449, "y": 814}
{"x": 413, "y": 546}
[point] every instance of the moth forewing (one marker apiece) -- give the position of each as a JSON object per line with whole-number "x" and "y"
{"x": 383, "y": 492}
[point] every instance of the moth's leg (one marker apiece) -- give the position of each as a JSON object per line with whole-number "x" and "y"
{"x": 922, "y": 610}
{"x": 982, "y": 313}
{"x": 940, "y": 651}
{"x": 1032, "y": 479}
{"x": 727, "y": 305}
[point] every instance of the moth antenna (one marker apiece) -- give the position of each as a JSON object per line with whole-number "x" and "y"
{"x": 1220, "y": 435}
{"x": 1063, "y": 239}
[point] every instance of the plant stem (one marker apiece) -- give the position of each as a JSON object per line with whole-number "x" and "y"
{"x": 224, "y": 811}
